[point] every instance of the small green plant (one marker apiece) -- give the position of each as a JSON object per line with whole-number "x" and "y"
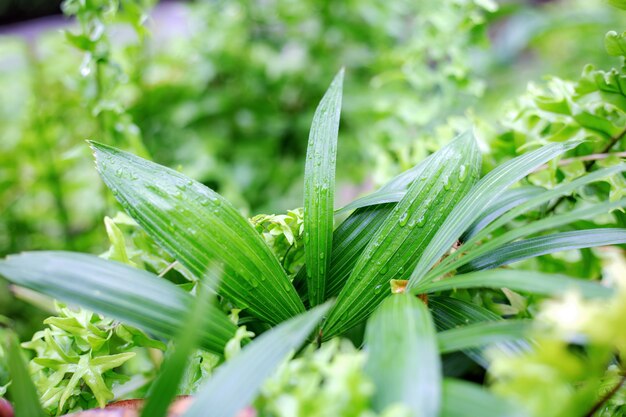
{"x": 434, "y": 230}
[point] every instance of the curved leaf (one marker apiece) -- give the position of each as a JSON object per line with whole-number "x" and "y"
{"x": 22, "y": 389}
{"x": 319, "y": 189}
{"x": 130, "y": 295}
{"x": 235, "y": 384}
{"x": 516, "y": 280}
{"x": 397, "y": 245}
{"x": 409, "y": 372}
{"x": 542, "y": 245}
{"x": 481, "y": 334}
{"x": 482, "y": 195}
{"x": 197, "y": 227}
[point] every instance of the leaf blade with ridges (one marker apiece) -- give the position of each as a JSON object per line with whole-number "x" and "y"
{"x": 197, "y": 227}
{"x": 410, "y": 372}
{"x": 130, "y": 295}
{"x": 319, "y": 189}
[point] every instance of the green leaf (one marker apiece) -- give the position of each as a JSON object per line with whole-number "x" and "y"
{"x": 130, "y": 295}
{"x": 620, "y": 4}
{"x": 171, "y": 373}
{"x": 615, "y": 43}
{"x": 23, "y": 393}
{"x": 398, "y": 243}
{"x": 527, "y": 281}
{"x": 475, "y": 247}
{"x": 235, "y": 384}
{"x": 198, "y": 226}
{"x": 319, "y": 189}
{"x": 485, "y": 248}
{"x": 486, "y": 191}
{"x": 508, "y": 200}
{"x": 409, "y": 372}
{"x": 482, "y": 334}
{"x": 465, "y": 399}
{"x": 542, "y": 245}
{"x": 450, "y": 313}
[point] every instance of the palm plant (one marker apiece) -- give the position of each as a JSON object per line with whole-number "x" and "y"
{"x": 436, "y": 227}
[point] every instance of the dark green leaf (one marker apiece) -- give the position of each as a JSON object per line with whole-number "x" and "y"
{"x": 409, "y": 372}
{"x": 471, "y": 252}
{"x": 395, "y": 248}
{"x": 542, "y": 245}
{"x": 486, "y": 191}
{"x": 319, "y": 190}
{"x": 235, "y": 384}
{"x": 23, "y": 393}
{"x": 527, "y": 281}
{"x": 116, "y": 290}
{"x": 198, "y": 226}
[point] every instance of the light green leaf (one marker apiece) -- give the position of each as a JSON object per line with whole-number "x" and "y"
{"x": 130, "y": 295}
{"x": 197, "y": 227}
{"x": 527, "y": 281}
{"x": 319, "y": 190}
{"x": 235, "y": 384}
{"x": 171, "y": 373}
{"x": 23, "y": 393}
{"x": 481, "y": 334}
{"x": 464, "y": 399}
{"x": 398, "y": 243}
{"x": 542, "y": 245}
{"x": 486, "y": 191}
{"x": 409, "y": 372}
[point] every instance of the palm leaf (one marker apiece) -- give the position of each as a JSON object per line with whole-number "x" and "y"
{"x": 481, "y": 334}
{"x": 235, "y": 384}
{"x": 130, "y": 295}
{"x": 409, "y": 372}
{"x": 542, "y": 245}
{"x": 527, "y": 281}
{"x": 197, "y": 227}
{"x": 397, "y": 244}
{"x": 319, "y": 189}
{"x": 486, "y": 191}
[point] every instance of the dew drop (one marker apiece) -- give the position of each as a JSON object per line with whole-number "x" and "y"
{"x": 400, "y": 270}
{"x": 384, "y": 269}
{"x": 378, "y": 288}
{"x": 321, "y": 255}
{"x": 403, "y": 219}
{"x": 421, "y": 221}
{"x": 204, "y": 202}
{"x": 462, "y": 173}
{"x": 446, "y": 183}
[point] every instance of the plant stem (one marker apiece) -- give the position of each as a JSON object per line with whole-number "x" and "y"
{"x": 606, "y": 397}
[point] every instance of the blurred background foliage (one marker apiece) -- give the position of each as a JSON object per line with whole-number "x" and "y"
{"x": 225, "y": 91}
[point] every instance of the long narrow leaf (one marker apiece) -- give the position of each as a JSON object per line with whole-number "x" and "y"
{"x": 542, "y": 245}
{"x": 197, "y": 227}
{"x": 482, "y": 195}
{"x": 235, "y": 384}
{"x": 319, "y": 190}
{"x": 116, "y": 290}
{"x": 527, "y": 281}
{"x": 166, "y": 385}
{"x": 464, "y": 399}
{"x": 398, "y": 243}
{"x": 23, "y": 393}
{"x": 409, "y": 372}
{"x": 508, "y": 200}
{"x": 481, "y": 334}
{"x": 450, "y": 313}
{"x": 476, "y": 251}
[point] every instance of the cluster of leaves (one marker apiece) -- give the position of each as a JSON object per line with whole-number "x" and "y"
{"x": 576, "y": 362}
{"x": 75, "y": 359}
